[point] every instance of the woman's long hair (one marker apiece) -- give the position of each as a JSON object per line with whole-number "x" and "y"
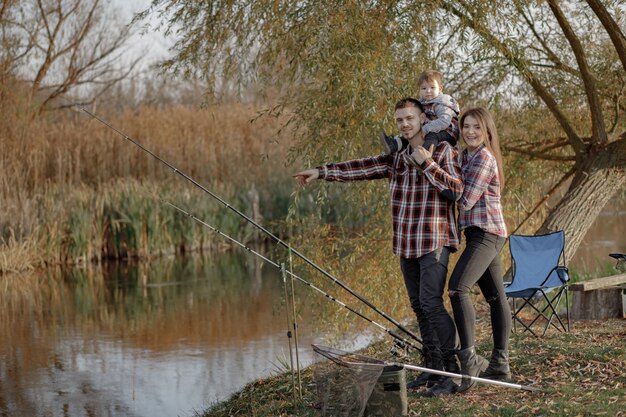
{"x": 492, "y": 141}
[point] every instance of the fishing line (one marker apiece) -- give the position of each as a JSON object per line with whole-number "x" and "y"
{"x": 295, "y": 322}
{"x": 399, "y": 338}
{"x": 293, "y": 376}
{"x": 267, "y": 232}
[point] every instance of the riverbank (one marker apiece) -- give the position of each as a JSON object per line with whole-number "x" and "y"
{"x": 581, "y": 373}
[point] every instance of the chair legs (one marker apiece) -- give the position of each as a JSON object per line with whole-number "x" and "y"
{"x": 548, "y": 312}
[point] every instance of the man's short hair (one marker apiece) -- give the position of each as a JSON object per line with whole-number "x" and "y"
{"x": 409, "y": 102}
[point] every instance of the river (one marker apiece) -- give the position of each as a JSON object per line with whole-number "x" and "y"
{"x": 166, "y": 338}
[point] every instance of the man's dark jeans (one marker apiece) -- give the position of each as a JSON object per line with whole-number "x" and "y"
{"x": 425, "y": 280}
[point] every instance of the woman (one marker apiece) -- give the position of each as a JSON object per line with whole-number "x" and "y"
{"x": 482, "y": 222}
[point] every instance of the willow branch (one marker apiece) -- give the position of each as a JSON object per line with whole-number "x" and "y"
{"x": 522, "y": 67}
{"x": 546, "y": 48}
{"x": 618, "y": 97}
{"x": 548, "y": 145}
{"x": 539, "y": 155}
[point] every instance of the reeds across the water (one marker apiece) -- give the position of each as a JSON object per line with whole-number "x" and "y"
{"x": 73, "y": 190}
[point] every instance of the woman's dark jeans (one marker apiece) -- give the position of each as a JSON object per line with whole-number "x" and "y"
{"x": 480, "y": 263}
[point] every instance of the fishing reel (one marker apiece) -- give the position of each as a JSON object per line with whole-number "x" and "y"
{"x": 400, "y": 349}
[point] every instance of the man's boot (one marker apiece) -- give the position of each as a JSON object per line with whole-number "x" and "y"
{"x": 471, "y": 365}
{"x": 498, "y": 368}
{"x": 432, "y": 360}
{"x": 446, "y": 385}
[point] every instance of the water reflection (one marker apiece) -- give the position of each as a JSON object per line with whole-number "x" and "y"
{"x": 164, "y": 338}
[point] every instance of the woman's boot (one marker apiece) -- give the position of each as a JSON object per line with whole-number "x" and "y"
{"x": 498, "y": 368}
{"x": 471, "y": 365}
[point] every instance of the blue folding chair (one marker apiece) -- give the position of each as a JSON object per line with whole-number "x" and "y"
{"x": 539, "y": 280}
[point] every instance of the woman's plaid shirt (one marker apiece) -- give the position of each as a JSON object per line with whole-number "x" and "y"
{"x": 480, "y": 204}
{"x": 423, "y": 220}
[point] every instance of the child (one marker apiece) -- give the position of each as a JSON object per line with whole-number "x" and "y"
{"x": 442, "y": 112}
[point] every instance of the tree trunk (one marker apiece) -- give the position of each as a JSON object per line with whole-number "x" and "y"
{"x": 600, "y": 176}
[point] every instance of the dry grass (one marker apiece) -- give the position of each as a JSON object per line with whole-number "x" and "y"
{"x": 580, "y": 373}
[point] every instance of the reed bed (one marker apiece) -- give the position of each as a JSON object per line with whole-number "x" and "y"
{"x": 73, "y": 190}
{"x": 124, "y": 219}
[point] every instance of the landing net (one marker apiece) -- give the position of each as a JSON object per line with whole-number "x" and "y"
{"x": 345, "y": 383}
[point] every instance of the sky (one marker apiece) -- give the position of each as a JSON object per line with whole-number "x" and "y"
{"x": 152, "y": 45}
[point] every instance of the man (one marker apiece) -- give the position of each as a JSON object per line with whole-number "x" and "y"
{"x": 423, "y": 183}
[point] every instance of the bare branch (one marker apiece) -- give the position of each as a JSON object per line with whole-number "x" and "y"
{"x": 64, "y": 44}
{"x": 539, "y": 154}
{"x": 546, "y": 146}
{"x": 595, "y": 106}
{"x": 106, "y": 85}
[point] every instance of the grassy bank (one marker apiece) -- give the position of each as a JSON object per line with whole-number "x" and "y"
{"x": 125, "y": 219}
{"x": 581, "y": 373}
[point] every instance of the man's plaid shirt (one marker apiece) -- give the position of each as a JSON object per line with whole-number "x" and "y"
{"x": 480, "y": 204}
{"x": 423, "y": 220}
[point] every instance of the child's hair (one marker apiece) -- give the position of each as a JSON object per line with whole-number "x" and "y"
{"x": 430, "y": 76}
{"x": 409, "y": 102}
{"x": 485, "y": 120}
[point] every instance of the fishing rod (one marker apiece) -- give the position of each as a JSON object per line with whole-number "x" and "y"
{"x": 295, "y": 324}
{"x": 258, "y": 226}
{"x": 398, "y": 338}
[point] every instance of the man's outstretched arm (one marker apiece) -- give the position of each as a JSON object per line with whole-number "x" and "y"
{"x": 363, "y": 169}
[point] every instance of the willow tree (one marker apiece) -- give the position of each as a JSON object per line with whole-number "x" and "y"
{"x": 337, "y": 66}
{"x": 571, "y": 57}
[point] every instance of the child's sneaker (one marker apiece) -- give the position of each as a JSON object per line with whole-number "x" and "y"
{"x": 390, "y": 144}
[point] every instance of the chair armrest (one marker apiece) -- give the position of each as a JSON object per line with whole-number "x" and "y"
{"x": 563, "y": 273}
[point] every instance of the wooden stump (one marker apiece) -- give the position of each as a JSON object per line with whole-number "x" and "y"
{"x": 598, "y": 304}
